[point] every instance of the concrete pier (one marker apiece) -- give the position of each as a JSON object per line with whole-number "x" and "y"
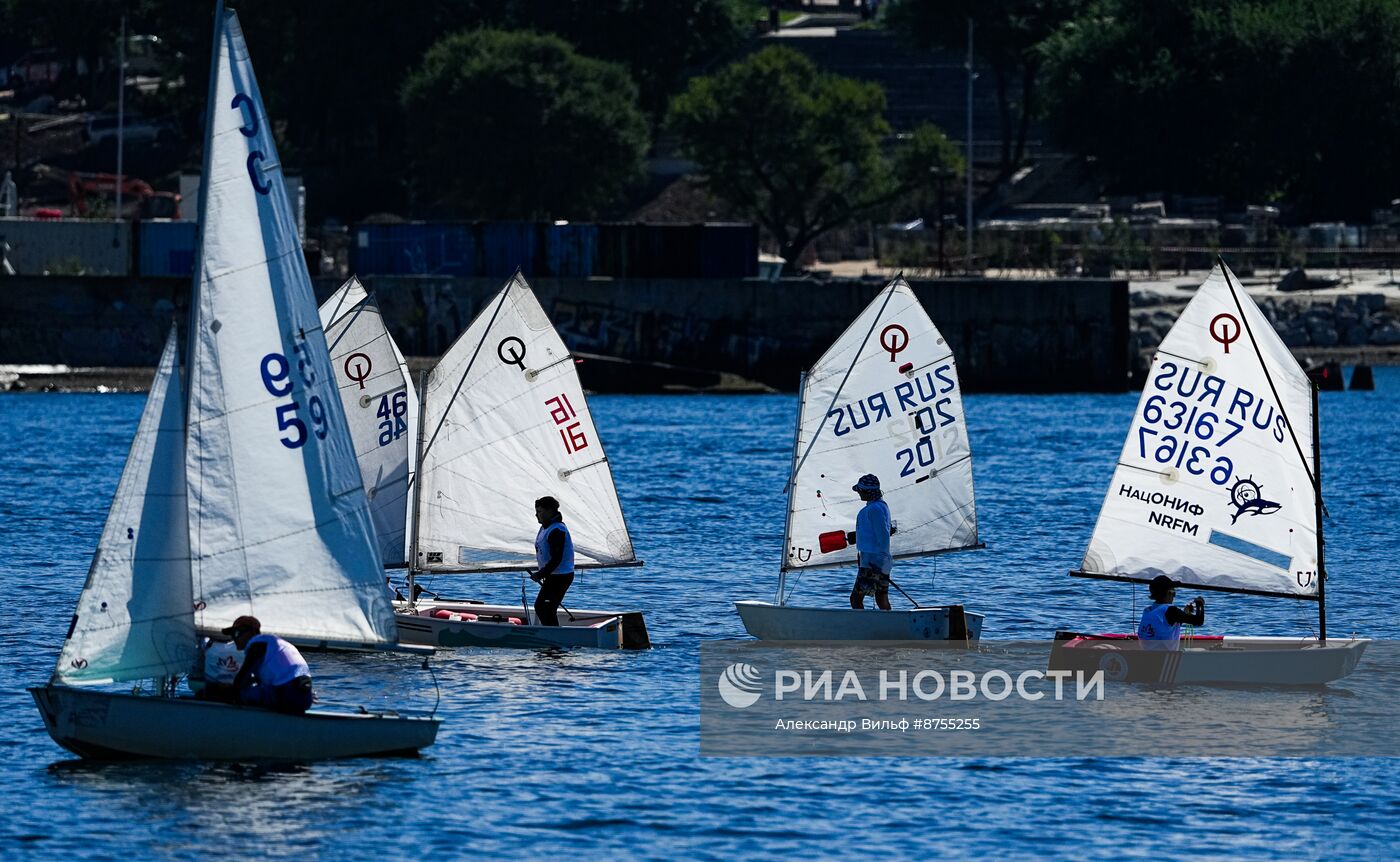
{"x": 1032, "y": 335}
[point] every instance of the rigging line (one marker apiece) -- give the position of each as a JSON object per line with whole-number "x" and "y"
{"x": 470, "y": 362}
{"x": 800, "y": 572}
{"x": 359, "y": 309}
{"x": 1244, "y": 322}
{"x": 889, "y": 294}
{"x": 1201, "y": 362}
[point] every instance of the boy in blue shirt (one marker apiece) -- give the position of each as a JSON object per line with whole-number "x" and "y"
{"x": 872, "y": 540}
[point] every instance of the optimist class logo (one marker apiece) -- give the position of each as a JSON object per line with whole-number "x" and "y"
{"x": 739, "y": 685}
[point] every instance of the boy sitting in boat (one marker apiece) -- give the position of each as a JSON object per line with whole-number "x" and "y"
{"x": 220, "y": 661}
{"x": 274, "y": 675}
{"x": 1160, "y": 627}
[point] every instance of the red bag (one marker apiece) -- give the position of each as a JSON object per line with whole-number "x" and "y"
{"x": 831, "y": 542}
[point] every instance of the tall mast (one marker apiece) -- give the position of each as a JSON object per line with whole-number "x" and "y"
{"x": 792, "y": 478}
{"x": 417, "y": 481}
{"x": 1317, "y": 496}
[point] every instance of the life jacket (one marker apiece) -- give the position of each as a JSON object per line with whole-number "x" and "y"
{"x": 221, "y": 663}
{"x": 281, "y": 663}
{"x": 566, "y": 564}
{"x": 1155, "y": 629}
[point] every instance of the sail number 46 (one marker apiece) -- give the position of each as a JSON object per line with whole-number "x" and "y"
{"x": 393, "y": 421}
{"x": 277, "y": 379}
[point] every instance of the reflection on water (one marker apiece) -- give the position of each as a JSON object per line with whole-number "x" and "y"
{"x": 598, "y": 753}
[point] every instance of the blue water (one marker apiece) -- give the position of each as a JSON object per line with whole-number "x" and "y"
{"x": 598, "y": 753}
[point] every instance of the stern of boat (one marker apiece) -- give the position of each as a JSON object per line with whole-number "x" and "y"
{"x": 475, "y": 624}
{"x": 767, "y": 621}
{"x": 1209, "y": 659}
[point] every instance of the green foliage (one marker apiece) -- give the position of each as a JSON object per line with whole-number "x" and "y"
{"x": 332, "y": 74}
{"x": 800, "y": 151}
{"x": 1006, "y": 36}
{"x": 517, "y": 125}
{"x": 1295, "y": 100}
{"x": 657, "y": 40}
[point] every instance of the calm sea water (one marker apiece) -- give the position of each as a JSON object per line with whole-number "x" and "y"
{"x": 590, "y": 752}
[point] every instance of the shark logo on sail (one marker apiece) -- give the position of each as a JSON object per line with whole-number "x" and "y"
{"x": 1247, "y": 497}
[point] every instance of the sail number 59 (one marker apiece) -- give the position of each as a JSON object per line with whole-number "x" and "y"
{"x": 277, "y": 379}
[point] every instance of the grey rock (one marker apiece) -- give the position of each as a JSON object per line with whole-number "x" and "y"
{"x": 1323, "y": 336}
{"x": 1296, "y": 279}
{"x": 1388, "y": 334}
{"x": 1295, "y": 336}
{"x": 1357, "y": 333}
{"x": 1372, "y": 302}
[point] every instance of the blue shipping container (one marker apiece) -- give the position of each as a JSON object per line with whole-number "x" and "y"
{"x": 413, "y": 248}
{"x": 166, "y": 248}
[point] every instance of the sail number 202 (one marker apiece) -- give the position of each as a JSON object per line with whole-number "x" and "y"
{"x": 277, "y": 378}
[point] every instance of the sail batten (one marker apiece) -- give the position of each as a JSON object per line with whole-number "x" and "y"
{"x": 506, "y": 422}
{"x": 884, "y": 399}
{"x": 1215, "y": 484}
{"x": 279, "y": 524}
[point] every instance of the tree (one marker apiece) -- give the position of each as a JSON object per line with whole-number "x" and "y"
{"x": 340, "y": 122}
{"x": 800, "y": 151}
{"x": 1259, "y": 100}
{"x": 85, "y": 29}
{"x": 517, "y": 125}
{"x": 1006, "y": 36}
{"x": 657, "y": 40}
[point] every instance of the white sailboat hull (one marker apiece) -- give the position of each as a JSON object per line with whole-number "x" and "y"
{"x": 770, "y": 622}
{"x": 441, "y": 624}
{"x": 1211, "y": 660}
{"x": 113, "y": 725}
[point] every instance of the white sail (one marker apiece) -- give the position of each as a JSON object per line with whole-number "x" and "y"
{"x": 1214, "y": 484}
{"x": 884, "y": 399}
{"x": 134, "y": 618}
{"x": 505, "y": 422}
{"x": 381, "y": 407}
{"x": 279, "y": 523}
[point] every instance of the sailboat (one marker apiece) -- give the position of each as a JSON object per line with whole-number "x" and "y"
{"x": 504, "y": 421}
{"x": 241, "y": 497}
{"x": 1218, "y": 487}
{"x": 381, "y": 406}
{"x": 884, "y": 399}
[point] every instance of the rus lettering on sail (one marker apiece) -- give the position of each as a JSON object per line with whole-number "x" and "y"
{"x": 922, "y": 395}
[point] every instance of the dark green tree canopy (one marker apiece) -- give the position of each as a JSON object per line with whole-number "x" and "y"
{"x": 1007, "y": 34}
{"x": 657, "y": 40}
{"x": 1259, "y": 100}
{"x": 800, "y": 151}
{"x": 517, "y": 125}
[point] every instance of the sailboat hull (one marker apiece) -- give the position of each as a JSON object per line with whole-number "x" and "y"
{"x": 1210, "y": 660}
{"x": 771, "y": 622}
{"x": 448, "y": 624}
{"x": 107, "y": 725}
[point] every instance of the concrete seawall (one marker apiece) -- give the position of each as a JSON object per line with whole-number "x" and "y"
{"x": 1008, "y": 335}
